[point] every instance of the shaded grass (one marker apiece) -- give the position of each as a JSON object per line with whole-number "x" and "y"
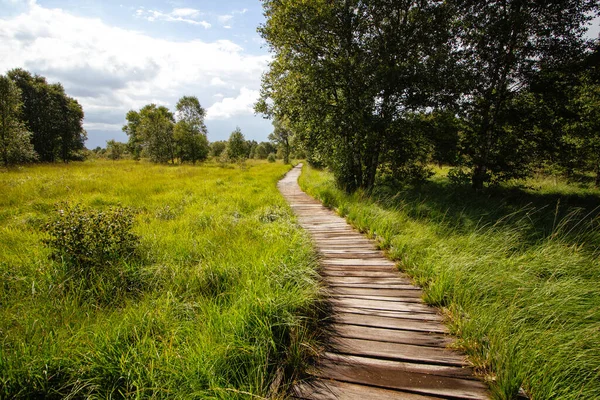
{"x": 516, "y": 270}
{"x": 223, "y": 299}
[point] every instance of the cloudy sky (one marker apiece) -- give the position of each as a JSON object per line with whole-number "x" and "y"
{"x": 117, "y": 55}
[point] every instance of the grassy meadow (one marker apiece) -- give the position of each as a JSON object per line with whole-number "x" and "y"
{"x": 516, "y": 271}
{"x": 218, "y": 304}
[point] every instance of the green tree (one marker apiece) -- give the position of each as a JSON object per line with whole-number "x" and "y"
{"x": 346, "y": 73}
{"x": 237, "y": 149}
{"x": 115, "y": 150}
{"x": 260, "y": 152}
{"x": 503, "y": 44}
{"x": 135, "y": 142}
{"x": 218, "y": 147}
{"x": 156, "y": 131}
{"x": 190, "y": 131}
{"x": 282, "y": 136}
{"x": 15, "y": 145}
{"x": 54, "y": 119}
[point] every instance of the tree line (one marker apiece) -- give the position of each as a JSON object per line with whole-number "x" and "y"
{"x": 39, "y": 122}
{"x": 154, "y": 132}
{"x": 378, "y": 89}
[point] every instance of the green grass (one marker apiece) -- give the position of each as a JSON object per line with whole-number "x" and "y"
{"x": 222, "y": 300}
{"x": 516, "y": 270}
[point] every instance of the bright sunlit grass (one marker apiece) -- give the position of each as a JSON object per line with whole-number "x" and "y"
{"x": 221, "y": 300}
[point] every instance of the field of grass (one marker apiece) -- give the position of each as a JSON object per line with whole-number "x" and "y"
{"x": 219, "y": 303}
{"x": 516, "y": 271}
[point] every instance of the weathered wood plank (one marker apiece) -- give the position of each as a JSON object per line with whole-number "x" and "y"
{"x": 404, "y": 379}
{"x": 320, "y": 389}
{"x": 397, "y": 351}
{"x": 391, "y": 335}
{"x": 409, "y": 324}
{"x": 358, "y": 291}
{"x": 382, "y": 305}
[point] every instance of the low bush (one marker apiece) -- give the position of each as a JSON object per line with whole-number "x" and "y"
{"x": 88, "y": 240}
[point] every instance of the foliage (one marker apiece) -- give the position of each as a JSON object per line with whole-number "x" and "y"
{"x": 516, "y": 271}
{"x": 156, "y": 131}
{"x": 223, "y": 300}
{"x": 283, "y": 137}
{"x": 115, "y": 150}
{"x": 15, "y": 145}
{"x": 347, "y": 74}
{"x": 54, "y": 119}
{"x": 271, "y": 158}
{"x": 237, "y": 148}
{"x": 218, "y": 147}
{"x": 502, "y": 46}
{"x": 190, "y": 131}
{"x": 135, "y": 142}
{"x": 88, "y": 240}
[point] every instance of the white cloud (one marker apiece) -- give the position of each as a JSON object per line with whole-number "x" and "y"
{"x": 216, "y": 81}
{"x": 223, "y": 19}
{"x": 111, "y": 70}
{"x": 231, "y": 106}
{"x": 187, "y": 15}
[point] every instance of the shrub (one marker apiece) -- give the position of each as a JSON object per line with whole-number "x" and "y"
{"x": 459, "y": 177}
{"x": 88, "y": 241}
{"x": 271, "y": 158}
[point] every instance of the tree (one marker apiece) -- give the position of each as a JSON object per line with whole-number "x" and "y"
{"x": 502, "y": 45}
{"x": 15, "y": 145}
{"x": 236, "y": 146}
{"x": 218, "y": 147}
{"x": 135, "y": 142}
{"x": 54, "y": 119}
{"x": 156, "y": 131}
{"x": 260, "y": 152}
{"x": 282, "y": 136}
{"x": 115, "y": 150}
{"x": 190, "y": 131}
{"x": 346, "y": 73}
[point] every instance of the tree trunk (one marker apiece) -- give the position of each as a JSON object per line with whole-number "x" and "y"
{"x": 479, "y": 176}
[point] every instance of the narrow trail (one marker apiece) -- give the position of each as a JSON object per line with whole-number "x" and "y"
{"x": 386, "y": 343}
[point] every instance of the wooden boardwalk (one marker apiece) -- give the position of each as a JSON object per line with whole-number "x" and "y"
{"x": 385, "y": 342}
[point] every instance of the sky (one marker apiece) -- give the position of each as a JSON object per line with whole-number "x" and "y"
{"x": 114, "y": 56}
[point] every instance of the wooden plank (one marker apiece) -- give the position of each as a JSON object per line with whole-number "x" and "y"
{"x": 406, "y": 377}
{"x": 361, "y": 273}
{"x": 382, "y": 305}
{"x": 391, "y": 335}
{"x": 414, "y": 299}
{"x": 319, "y": 389}
{"x": 397, "y": 351}
{"x": 359, "y": 291}
{"x": 390, "y": 314}
{"x": 347, "y": 280}
{"x": 360, "y": 262}
{"x": 409, "y": 324}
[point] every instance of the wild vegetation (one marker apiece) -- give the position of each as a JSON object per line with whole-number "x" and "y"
{"x": 516, "y": 271}
{"x": 136, "y": 280}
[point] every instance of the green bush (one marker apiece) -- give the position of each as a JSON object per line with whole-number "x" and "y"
{"x": 89, "y": 241}
{"x": 271, "y": 157}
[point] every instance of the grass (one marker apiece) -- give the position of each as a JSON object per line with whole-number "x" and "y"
{"x": 219, "y": 305}
{"x": 516, "y": 271}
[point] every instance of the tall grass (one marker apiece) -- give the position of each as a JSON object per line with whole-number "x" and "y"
{"x": 516, "y": 271}
{"x": 221, "y": 302}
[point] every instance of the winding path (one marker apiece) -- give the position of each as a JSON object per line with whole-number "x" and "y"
{"x": 386, "y": 343}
